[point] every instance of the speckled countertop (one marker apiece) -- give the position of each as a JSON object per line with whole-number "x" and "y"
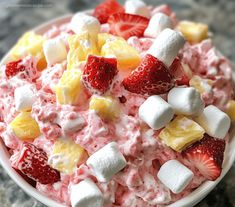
{"x": 17, "y": 16}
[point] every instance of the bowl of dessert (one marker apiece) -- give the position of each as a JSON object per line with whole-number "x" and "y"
{"x": 122, "y": 105}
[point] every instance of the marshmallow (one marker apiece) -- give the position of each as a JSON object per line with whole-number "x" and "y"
{"x": 185, "y": 101}
{"x": 137, "y": 7}
{"x": 158, "y": 23}
{"x": 106, "y": 162}
{"x": 156, "y": 112}
{"x": 54, "y": 51}
{"x": 24, "y": 98}
{"x": 175, "y": 175}
{"x": 166, "y": 46}
{"x": 214, "y": 121}
{"x": 81, "y": 23}
{"x": 86, "y": 194}
{"x": 72, "y": 125}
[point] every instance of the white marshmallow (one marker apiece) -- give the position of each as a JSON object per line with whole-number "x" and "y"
{"x": 81, "y": 23}
{"x": 175, "y": 175}
{"x": 166, "y": 46}
{"x": 73, "y": 125}
{"x": 185, "y": 101}
{"x": 86, "y": 194}
{"x": 157, "y": 24}
{"x": 156, "y": 112}
{"x": 137, "y": 7}
{"x": 24, "y": 98}
{"x": 54, "y": 51}
{"x": 214, "y": 121}
{"x": 106, "y": 162}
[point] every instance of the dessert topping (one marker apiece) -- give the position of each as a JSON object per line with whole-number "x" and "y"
{"x": 99, "y": 73}
{"x": 106, "y": 162}
{"x": 181, "y": 133}
{"x": 127, "y": 25}
{"x": 207, "y": 156}
{"x": 33, "y": 163}
{"x": 156, "y": 112}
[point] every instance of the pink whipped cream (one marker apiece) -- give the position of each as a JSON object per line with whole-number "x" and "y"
{"x": 137, "y": 184}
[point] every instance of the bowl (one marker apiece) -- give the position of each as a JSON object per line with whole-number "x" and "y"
{"x": 190, "y": 200}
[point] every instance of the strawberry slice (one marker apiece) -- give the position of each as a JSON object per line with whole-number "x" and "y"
{"x": 33, "y": 163}
{"x": 14, "y": 67}
{"x": 151, "y": 77}
{"x": 127, "y": 25}
{"x": 107, "y": 8}
{"x": 99, "y": 73}
{"x": 26, "y": 178}
{"x": 179, "y": 73}
{"x": 207, "y": 156}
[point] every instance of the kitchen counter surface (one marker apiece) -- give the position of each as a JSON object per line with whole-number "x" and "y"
{"x": 18, "y": 16}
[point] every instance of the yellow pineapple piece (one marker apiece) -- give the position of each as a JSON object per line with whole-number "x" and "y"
{"x": 80, "y": 46}
{"x": 70, "y": 87}
{"x": 104, "y": 37}
{"x": 192, "y": 31}
{"x": 30, "y": 44}
{"x": 66, "y": 156}
{"x": 181, "y": 132}
{"x": 200, "y": 84}
{"x": 231, "y": 109}
{"x": 106, "y": 107}
{"x": 25, "y": 127}
{"x": 127, "y": 56}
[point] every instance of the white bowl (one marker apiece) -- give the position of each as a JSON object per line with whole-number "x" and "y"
{"x": 188, "y": 201}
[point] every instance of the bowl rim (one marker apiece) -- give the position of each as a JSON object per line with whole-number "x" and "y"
{"x": 188, "y": 201}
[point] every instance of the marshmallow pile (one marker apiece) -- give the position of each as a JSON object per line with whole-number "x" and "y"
{"x": 183, "y": 101}
{"x": 104, "y": 164}
{"x": 157, "y": 113}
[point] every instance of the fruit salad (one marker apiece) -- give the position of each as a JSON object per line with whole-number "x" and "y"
{"x": 126, "y": 106}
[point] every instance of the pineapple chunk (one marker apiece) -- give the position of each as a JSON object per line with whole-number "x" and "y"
{"x": 66, "y": 156}
{"x": 192, "y": 31}
{"x": 70, "y": 87}
{"x": 106, "y": 107}
{"x": 25, "y": 127}
{"x": 231, "y": 109}
{"x": 200, "y": 84}
{"x": 30, "y": 44}
{"x": 181, "y": 132}
{"x": 80, "y": 46}
{"x": 104, "y": 37}
{"x": 127, "y": 56}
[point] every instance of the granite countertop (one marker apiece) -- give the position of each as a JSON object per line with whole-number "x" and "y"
{"x": 17, "y": 16}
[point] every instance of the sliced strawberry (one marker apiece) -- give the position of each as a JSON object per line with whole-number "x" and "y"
{"x": 33, "y": 163}
{"x": 14, "y": 67}
{"x": 99, "y": 73}
{"x": 179, "y": 73}
{"x": 26, "y": 178}
{"x": 151, "y": 77}
{"x": 107, "y": 8}
{"x": 207, "y": 156}
{"x": 127, "y": 25}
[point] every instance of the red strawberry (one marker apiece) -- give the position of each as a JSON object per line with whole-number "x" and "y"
{"x": 127, "y": 25}
{"x": 26, "y": 178}
{"x": 207, "y": 156}
{"x": 99, "y": 73}
{"x": 14, "y": 67}
{"x": 179, "y": 73}
{"x": 151, "y": 77}
{"x": 107, "y": 8}
{"x": 33, "y": 163}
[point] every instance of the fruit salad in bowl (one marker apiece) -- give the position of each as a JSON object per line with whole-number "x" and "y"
{"x": 122, "y": 106}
